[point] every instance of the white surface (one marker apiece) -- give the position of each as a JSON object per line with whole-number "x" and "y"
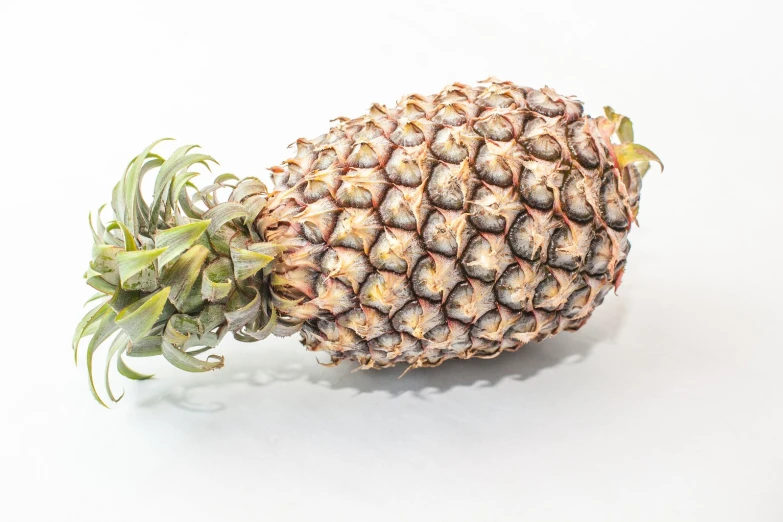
{"x": 666, "y": 406}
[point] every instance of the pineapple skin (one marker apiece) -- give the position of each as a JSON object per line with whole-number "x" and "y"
{"x": 456, "y": 225}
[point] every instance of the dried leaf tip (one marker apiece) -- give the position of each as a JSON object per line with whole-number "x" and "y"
{"x": 628, "y": 152}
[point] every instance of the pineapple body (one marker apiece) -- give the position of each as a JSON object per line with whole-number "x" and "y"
{"x": 455, "y": 225}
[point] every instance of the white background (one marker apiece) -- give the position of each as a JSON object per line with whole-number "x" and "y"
{"x": 668, "y": 405}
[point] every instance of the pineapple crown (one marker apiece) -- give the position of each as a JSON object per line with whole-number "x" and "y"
{"x": 176, "y": 274}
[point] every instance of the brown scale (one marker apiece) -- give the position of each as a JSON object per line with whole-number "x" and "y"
{"x": 455, "y": 225}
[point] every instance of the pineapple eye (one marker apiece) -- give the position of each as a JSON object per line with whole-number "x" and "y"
{"x": 494, "y": 127}
{"x": 582, "y": 146}
{"x": 543, "y": 104}
{"x": 446, "y": 147}
{"x": 444, "y": 189}
{"x": 407, "y": 135}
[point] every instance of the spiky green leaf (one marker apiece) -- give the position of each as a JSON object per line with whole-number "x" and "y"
{"x": 223, "y": 213}
{"x": 187, "y": 205}
{"x": 217, "y": 283}
{"x": 101, "y": 285}
{"x": 99, "y": 295}
{"x": 266, "y": 330}
{"x": 129, "y": 189}
{"x": 179, "y": 329}
{"x": 105, "y": 329}
{"x": 248, "y": 187}
{"x": 144, "y": 281}
{"x": 178, "y": 239}
{"x": 105, "y": 262}
{"x": 247, "y": 262}
{"x": 95, "y": 236}
{"x": 130, "y": 373}
{"x": 179, "y": 182}
{"x": 212, "y": 316}
{"x": 168, "y": 170}
{"x": 183, "y": 274}
{"x": 93, "y": 316}
{"x": 127, "y": 235}
{"x": 123, "y": 298}
{"x": 223, "y": 178}
{"x": 120, "y": 344}
{"x": 132, "y": 263}
{"x": 139, "y": 318}
{"x": 241, "y": 310}
{"x": 145, "y": 347}
{"x": 187, "y": 362}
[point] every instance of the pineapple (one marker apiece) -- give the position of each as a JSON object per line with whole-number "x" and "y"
{"x": 457, "y": 225}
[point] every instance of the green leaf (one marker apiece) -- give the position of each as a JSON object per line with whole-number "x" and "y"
{"x": 223, "y": 213}
{"x": 267, "y": 330}
{"x": 139, "y": 318}
{"x": 182, "y": 151}
{"x": 220, "y": 240}
{"x": 94, "y": 297}
{"x": 179, "y": 329}
{"x": 240, "y": 313}
{"x": 95, "y": 236}
{"x": 247, "y": 263}
{"x": 212, "y": 316}
{"x": 144, "y": 281}
{"x": 628, "y": 153}
{"x": 187, "y": 362}
{"x": 130, "y": 189}
{"x": 284, "y": 327}
{"x": 129, "y": 373}
{"x": 193, "y": 301}
{"x": 254, "y": 206}
{"x": 105, "y": 329}
{"x": 100, "y": 228}
{"x": 120, "y": 344}
{"x": 208, "y": 340}
{"x": 130, "y": 242}
{"x": 247, "y": 187}
{"x": 142, "y": 209}
{"x": 101, "y": 285}
{"x": 145, "y": 347}
{"x": 186, "y": 203}
{"x": 217, "y": 283}
{"x": 111, "y": 239}
{"x": 178, "y": 239}
{"x": 178, "y": 184}
{"x": 104, "y": 261}
{"x": 117, "y": 201}
{"x": 123, "y": 298}
{"x": 131, "y": 263}
{"x": 183, "y": 274}
{"x": 226, "y": 177}
{"x": 168, "y": 170}
{"x": 199, "y": 350}
{"x": 91, "y": 317}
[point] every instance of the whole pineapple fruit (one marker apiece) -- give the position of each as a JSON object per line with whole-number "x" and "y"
{"x": 455, "y": 225}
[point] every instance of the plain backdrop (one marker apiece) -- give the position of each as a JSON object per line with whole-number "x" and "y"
{"x": 668, "y": 405}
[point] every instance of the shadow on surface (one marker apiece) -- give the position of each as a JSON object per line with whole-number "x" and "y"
{"x": 287, "y": 366}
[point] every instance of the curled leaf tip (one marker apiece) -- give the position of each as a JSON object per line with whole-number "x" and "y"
{"x": 628, "y": 153}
